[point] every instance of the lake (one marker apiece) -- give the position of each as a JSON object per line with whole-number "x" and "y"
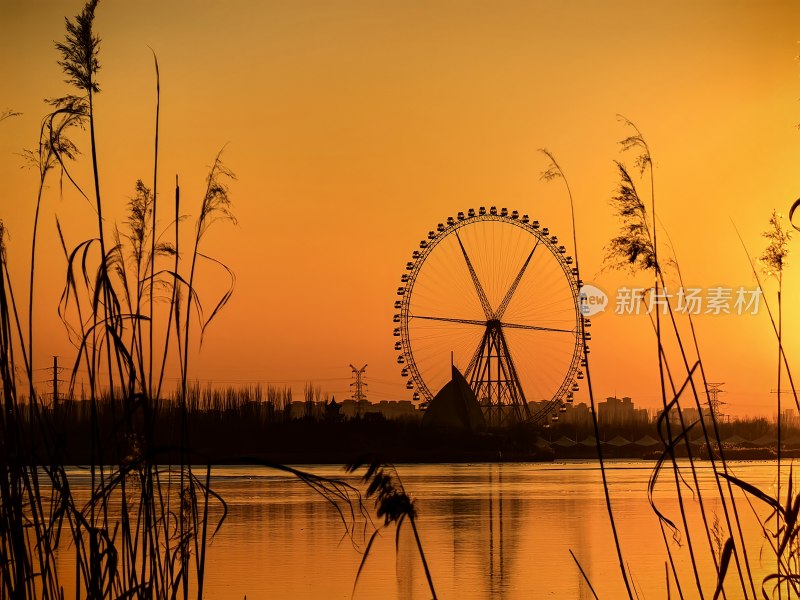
{"x": 488, "y": 531}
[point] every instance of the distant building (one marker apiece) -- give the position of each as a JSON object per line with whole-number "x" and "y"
{"x": 333, "y": 411}
{"x": 302, "y": 409}
{"x": 395, "y": 409}
{"x": 620, "y": 412}
{"x": 352, "y": 408}
{"x": 349, "y": 409}
{"x": 577, "y": 414}
{"x": 690, "y": 415}
{"x": 789, "y": 418}
{"x": 535, "y": 406}
{"x": 613, "y": 411}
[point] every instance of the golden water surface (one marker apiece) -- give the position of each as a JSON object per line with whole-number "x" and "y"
{"x": 488, "y": 531}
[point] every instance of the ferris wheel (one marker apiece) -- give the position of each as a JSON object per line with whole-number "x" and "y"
{"x": 495, "y": 295}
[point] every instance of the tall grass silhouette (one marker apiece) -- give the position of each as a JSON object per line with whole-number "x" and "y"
{"x": 554, "y": 171}
{"x": 394, "y": 505}
{"x": 774, "y": 260}
{"x": 142, "y": 530}
{"x": 688, "y": 530}
{"x": 131, "y": 308}
{"x": 683, "y": 384}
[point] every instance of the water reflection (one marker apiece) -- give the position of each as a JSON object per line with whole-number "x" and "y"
{"x": 489, "y": 531}
{"x": 484, "y": 528}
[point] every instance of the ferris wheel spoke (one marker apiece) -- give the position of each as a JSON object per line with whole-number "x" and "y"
{"x": 536, "y": 328}
{"x": 487, "y": 308}
{"x": 449, "y": 320}
{"x": 510, "y": 293}
{"x": 475, "y": 357}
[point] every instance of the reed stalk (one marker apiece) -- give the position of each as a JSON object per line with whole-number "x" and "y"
{"x": 774, "y": 261}
{"x": 394, "y": 505}
{"x": 554, "y": 171}
{"x": 637, "y": 248}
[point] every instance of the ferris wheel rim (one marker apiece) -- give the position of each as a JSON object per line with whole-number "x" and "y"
{"x": 452, "y": 226}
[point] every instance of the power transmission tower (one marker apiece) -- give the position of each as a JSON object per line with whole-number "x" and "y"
{"x": 787, "y": 412}
{"x": 714, "y": 403}
{"x": 55, "y": 381}
{"x": 359, "y": 396}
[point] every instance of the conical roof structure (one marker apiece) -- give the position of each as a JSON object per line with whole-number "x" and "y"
{"x": 565, "y": 442}
{"x": 647, "y": 441}
{"x": 767, "y": 440}
{"x": 455, "y": 406}
{"x": 618, "y": 441}
{"x": 735, "y": 440}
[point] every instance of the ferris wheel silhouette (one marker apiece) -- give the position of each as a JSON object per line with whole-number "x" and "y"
{"x": 493, "y": 293}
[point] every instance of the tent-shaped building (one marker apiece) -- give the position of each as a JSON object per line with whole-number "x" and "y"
{"x": 455, "y": 406}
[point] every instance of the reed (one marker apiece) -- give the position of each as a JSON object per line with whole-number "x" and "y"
{"x": 773, "y": 260}
{"x": 554, "y": 171}
{"x": 394, "y": 505}
{"x": 143, "y": 527}
{"x": 683, "y": 384}
{"x": 124, "y": 534}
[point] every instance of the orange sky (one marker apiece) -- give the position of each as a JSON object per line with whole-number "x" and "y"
{"x": 355, "y": 127}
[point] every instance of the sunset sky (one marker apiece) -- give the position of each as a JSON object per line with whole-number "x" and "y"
{"x": 355, "y": 127}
